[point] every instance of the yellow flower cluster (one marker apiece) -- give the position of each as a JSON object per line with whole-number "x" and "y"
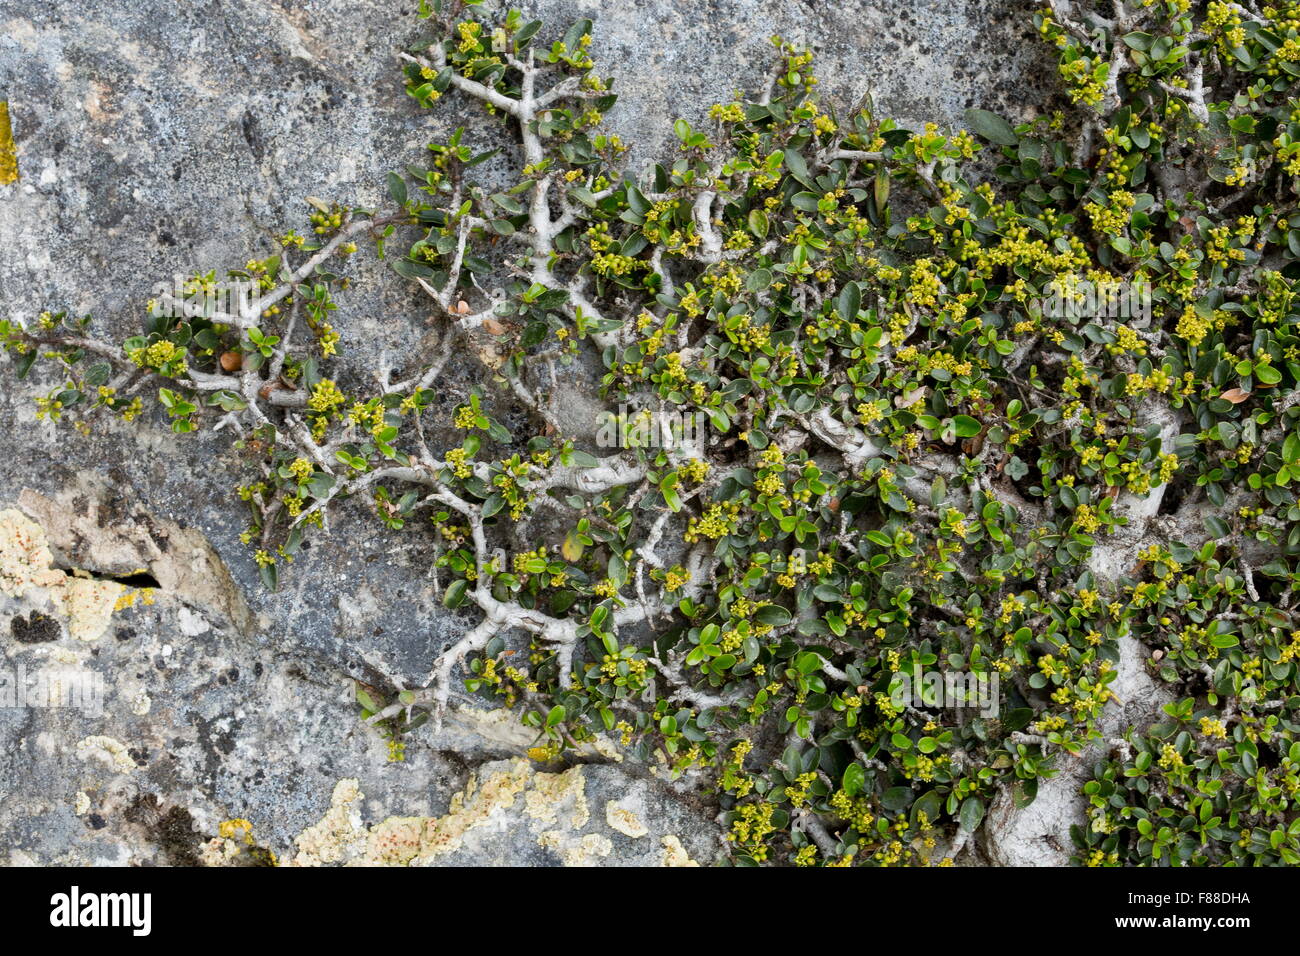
{"x": 161, "y": 354}
{"x": 326, "y": 397}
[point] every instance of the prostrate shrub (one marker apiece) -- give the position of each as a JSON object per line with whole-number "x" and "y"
{"x": 975, "y": 411}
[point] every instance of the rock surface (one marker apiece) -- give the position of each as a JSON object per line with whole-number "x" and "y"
{"x": 156, "y": 137}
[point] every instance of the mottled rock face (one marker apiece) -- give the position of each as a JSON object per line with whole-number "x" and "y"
{"x": 157, "y": 137}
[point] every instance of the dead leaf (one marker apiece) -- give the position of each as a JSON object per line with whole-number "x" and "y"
{"x": 494, "y": 327}
{"x": 572, "y": 547}
{"x": 231, "y": 361}
{"x": 1235, "y": 395}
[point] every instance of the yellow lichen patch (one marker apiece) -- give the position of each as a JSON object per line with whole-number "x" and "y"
{"x": 474, "y": 807}
{"x": 587, "y": 851}
{"x": 553, "y": 812}
{"x": 26, "y": 563}
{"x": 237, "y": 829}
{"x": 129, "y": 597}
{"x": 397, "y": 840}
{"x": 25, "y": 558}
{"x": 8, "y": 151}
{"x": 624, "y": 821}
{"x": 500, "y": 725}
{"x": 593, "y": 846}
{"x": 234, "y": 845}
{"x": 106, "y": 750}
{"x": 675, "y": 854}
{"x": 338, "y": 834}
{"x": 552, "y": 791}
{"x": 219, "y": 852}
{"x": 88, "y": 605}
{"x": 339, "y": 837}
{"x": 604, "y": 748}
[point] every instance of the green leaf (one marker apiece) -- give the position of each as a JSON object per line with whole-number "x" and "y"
{"x": 526, "y": 33}
{"x": 798, "y": 168}
{"x": 365, "y": 700}
{"x": 454, "y": 596}
{"x": 896, "y": 798}
{"x": 992, "y": 127}
{"x": 98, "y": 374}
{"x": 616, "y": 569}
{"x": 397, "y": 188}
{"x": 971, "y": 814}
{"x": 854, "y": 777}
{"x": 849, "y": 302}
{"x": 1139, "y": 41}
{"x": 882, "y": 188}
{"x": 672, "y": 499}
{"x": 758, "y": 280}
{"x": 773, "y": 614}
